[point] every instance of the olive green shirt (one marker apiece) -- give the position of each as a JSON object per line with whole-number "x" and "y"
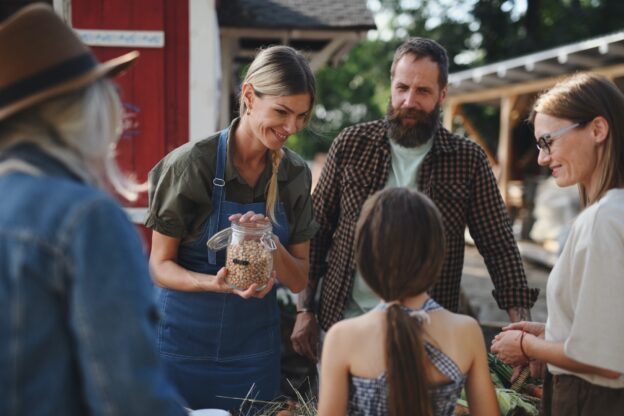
{"x": 180, "y": 190}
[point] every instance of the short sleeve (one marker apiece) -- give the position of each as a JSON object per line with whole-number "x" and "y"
{"x": 595, "y": 338}
{"x": 175, "y": 192}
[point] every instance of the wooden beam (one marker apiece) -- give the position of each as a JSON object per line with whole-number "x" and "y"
{"x": 229, "y": 48}
{"x": 449, "y": 113}
{"x": 578, "y": 59}
{"x": 517, "y": 75}
{"x": 614, "y": 49}
{"x": 322, "y": 57}
{"x": 242, "y": 32}
{"x": 504, "y": 144}
{"x": 521, "y": 107}
{"x": 544, "y": 67}
{"x": 526, "y": 87}
{"x": 474, "y": 134}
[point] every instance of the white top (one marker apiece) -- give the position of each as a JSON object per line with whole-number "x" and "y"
{"x": 585, "y": 291}
{"x": 405, "y": 164}
{"x": 403, "y": 173}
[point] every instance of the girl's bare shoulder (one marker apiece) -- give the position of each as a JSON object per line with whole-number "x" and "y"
{"x": 457, "y": 326}
{"x": 355, "y": 328}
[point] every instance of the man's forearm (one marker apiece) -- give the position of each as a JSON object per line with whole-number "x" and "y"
{"x": 517, "y": 314}
{"x": 305, "y": 299}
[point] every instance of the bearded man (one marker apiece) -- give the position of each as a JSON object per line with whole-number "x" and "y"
{"x": 410, "y": 148}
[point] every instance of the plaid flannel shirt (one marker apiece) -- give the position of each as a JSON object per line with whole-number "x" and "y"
{"x": 455, "y": 174}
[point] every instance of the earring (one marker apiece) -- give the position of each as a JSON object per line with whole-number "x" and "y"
{"x": 248, "y": 112}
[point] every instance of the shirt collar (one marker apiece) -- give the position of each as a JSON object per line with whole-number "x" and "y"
{"x": 32, "y": 155}
{"x": 443, "y": 141}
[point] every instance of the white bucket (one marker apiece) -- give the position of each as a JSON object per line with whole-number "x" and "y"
{"x": 210, "y": 412}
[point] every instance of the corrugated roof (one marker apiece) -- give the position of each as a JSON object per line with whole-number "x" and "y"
{"x": 581, "y": 56}
{"x": 300, "y": 14}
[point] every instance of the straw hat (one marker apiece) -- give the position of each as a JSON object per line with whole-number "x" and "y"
{"x": 41, "y": 57}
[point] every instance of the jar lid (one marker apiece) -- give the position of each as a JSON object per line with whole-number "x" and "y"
{"x": 252, "y": 228}
{"x": 220, "y": 240}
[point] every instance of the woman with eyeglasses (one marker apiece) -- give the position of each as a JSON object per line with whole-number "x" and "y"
{"x": 580, "y": 135}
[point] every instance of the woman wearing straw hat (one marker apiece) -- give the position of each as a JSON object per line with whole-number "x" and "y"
{"x": 77, "y": 319}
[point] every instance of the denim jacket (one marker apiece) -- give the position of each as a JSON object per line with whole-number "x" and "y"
{"x": 77, "y": 314}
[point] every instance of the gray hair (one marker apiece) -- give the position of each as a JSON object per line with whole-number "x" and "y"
{"x": 80, "y": 130}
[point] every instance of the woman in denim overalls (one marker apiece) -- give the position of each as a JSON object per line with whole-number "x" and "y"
{"x": 218, "y": 342}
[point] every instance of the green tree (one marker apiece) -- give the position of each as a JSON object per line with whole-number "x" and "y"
{"x": 353, "y": 92}
{"x": 474, "y": 32}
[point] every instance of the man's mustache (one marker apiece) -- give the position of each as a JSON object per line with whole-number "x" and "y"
{"x": 417, "y": 115}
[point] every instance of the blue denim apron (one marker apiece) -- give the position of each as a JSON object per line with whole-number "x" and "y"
{"x": 219, "y": 344}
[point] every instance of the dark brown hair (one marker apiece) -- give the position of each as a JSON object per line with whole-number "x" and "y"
{"x": 400, "y": 248}
{"x": 424, "y": 48}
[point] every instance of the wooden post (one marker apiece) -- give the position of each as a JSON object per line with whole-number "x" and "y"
{"x": 450, "y": 111}
{"x": 228, "y": 52}
{"x": 474, "y": 134}
{"x": 488, "y": 94}
{"x": 504, "y": 144}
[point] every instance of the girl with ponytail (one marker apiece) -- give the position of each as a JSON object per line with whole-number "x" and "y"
{"x": 220, "y": 343}
{"x": 409, "y": 356}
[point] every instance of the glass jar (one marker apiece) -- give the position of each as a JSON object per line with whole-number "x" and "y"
{"x": 249, "y": 256}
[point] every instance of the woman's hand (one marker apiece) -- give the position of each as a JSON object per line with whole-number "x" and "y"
{"x": 251, "y": 292}
{"x": 506, "y": 346}
{"x": 249, "y": 218}
{"x": 535, "y": 328}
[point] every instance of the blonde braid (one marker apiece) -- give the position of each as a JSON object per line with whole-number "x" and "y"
{"x": 276, "y": 158}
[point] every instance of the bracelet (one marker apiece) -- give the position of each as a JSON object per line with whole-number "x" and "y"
{"x": 522, "y": 347}
{"x": 304, "y": 310}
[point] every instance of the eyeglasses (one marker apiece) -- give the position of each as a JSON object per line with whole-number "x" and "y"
{"x": 544, "y": 142}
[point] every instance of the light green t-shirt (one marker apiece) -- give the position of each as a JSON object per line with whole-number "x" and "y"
{"x": 403, "y": 172}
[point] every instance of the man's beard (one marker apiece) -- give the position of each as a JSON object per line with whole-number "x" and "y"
{"x": 426, "y": 124}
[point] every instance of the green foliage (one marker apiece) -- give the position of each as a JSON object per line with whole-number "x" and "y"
{"x": 513, "y": 403}
{"x": 353, "y": 92}
{"x": 474, "y": 32}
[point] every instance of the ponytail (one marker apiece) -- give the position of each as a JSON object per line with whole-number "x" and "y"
{"x": 399, "y": 250}
{"x": 408, "y": 381}
{"x": 272, "y": 188}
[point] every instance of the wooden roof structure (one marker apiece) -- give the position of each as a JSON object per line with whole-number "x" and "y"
{"x": 325, "y": 30}
{"x": 514, "y": 84}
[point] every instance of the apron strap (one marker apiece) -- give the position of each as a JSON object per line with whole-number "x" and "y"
{"x": 218, "y": 190}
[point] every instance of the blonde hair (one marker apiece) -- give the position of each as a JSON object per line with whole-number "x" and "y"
{"x": 581, "y": 98}
{"x": 279, "y": 71}
{"x": 80, "y": 130}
